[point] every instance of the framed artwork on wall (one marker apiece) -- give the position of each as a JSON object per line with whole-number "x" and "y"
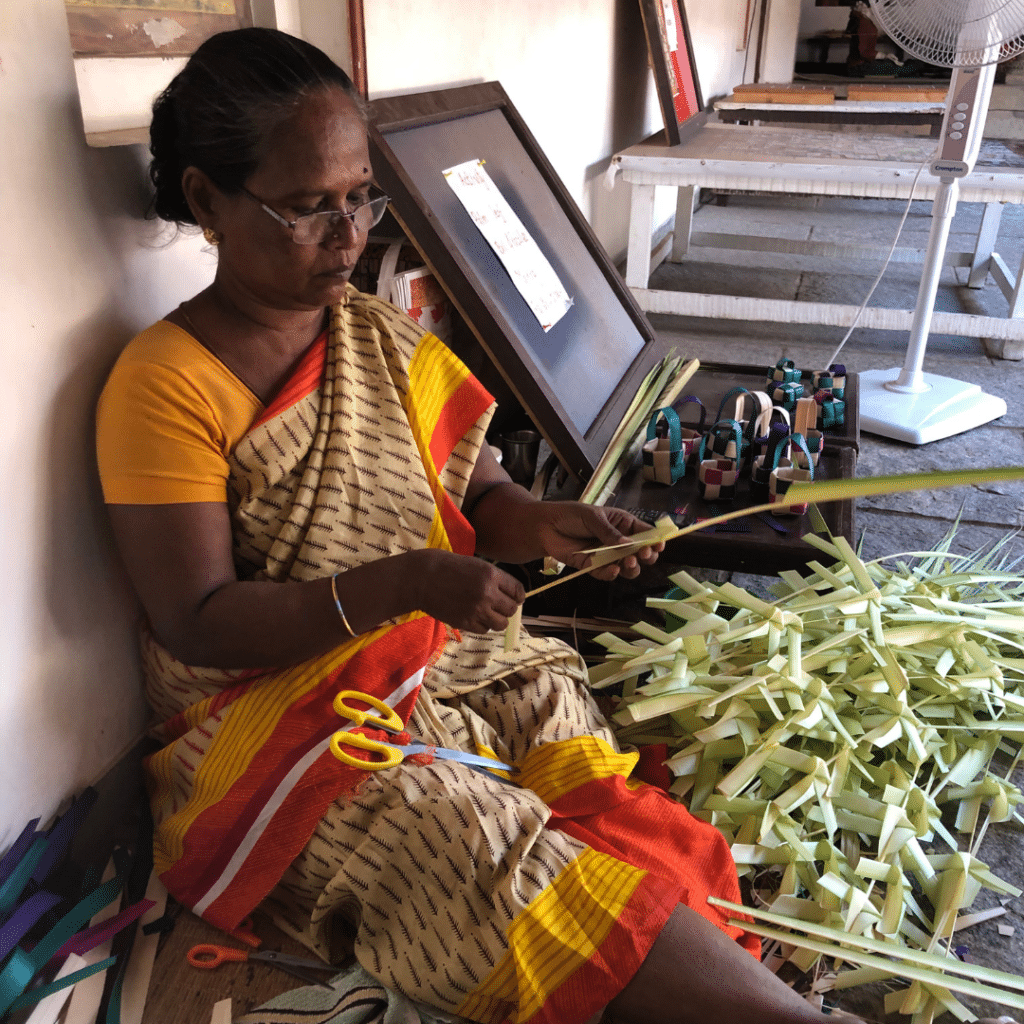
{"x": 148, "y": 28}
{"x": 671, "y": 56}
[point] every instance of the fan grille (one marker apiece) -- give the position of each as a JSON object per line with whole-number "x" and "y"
{"x": 954, "y": 33}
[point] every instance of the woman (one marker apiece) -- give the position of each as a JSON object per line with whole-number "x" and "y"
{"x": 298, "y": 483}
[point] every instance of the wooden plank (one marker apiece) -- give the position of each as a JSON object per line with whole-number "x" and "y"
{"x": 135, "y": 31}
{"x": 822, "y": 250}
{"x": 119, "y": 137}
{"x": 891, "y": 91}
{"x": 797, "y": 94}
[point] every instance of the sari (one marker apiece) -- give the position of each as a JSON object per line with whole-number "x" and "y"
{"x": 498, "y": 902}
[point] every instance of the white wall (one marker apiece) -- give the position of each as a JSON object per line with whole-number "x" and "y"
{"x": 718, "y": 32}
{"x": 81, "y": 272}
{"x": 781, "y": 31}
{"x": 575, "y": 70}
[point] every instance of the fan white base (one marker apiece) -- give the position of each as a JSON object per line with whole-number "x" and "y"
{"x": 948, "y": 407}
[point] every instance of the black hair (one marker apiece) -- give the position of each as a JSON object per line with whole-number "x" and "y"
{"x": 218, "y": 110}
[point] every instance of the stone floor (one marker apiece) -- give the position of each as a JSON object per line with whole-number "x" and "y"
{"x": 902, "y": 522}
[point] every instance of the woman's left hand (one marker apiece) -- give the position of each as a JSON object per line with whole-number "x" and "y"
{"x": 568, "y": 528}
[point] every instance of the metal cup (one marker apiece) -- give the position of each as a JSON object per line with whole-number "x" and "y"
{"x": 519, "y": 450}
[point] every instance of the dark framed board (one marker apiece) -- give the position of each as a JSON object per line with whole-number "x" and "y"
{"x": 671, "y": 56}
{"x": 576, "y": 379}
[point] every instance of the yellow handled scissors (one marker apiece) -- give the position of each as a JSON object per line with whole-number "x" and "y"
{"x": 386, "y": 719}
{"x": 391, "y": 754}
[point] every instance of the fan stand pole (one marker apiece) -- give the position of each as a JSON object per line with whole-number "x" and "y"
{"x": 909, "y": 405}
{"x": 911, "y": 379}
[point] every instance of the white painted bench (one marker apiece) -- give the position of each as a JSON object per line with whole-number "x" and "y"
{"x": 799, "y": 161}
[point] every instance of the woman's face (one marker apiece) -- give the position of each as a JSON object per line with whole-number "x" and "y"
{"x": 317, "y": 159}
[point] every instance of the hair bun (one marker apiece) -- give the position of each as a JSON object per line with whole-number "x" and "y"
{"x": 166, "y": 166}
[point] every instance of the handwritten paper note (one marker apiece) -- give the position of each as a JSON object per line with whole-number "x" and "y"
{"x": 528, "y": 267}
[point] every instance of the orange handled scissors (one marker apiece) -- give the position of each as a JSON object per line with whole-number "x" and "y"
{"x": 390, "y": 754}
{"x": 207, "y": 956}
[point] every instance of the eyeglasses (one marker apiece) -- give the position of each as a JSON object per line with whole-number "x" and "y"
{"x": 313, "y": 228}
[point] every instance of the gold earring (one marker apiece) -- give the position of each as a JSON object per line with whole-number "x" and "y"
{"x": 211, "y": 236}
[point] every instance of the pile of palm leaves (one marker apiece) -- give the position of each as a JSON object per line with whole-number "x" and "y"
{"x": 852, "y": 739}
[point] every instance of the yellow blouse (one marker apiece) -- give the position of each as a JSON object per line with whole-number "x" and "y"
{"x": 169, "y": 416}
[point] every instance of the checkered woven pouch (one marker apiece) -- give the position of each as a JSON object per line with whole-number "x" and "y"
{"x": 833, "y": 379}
{"x": 775, "y": 453}
{"x": 691, "y": 435}
{"x": 664, "y": 458}
{"x": 719, "y": 471}
{"x": 723, "y": 441}
{"x": 784, "y": 372}
{"x": 750, "y": 410}
{"x": 815, "y": 444}
{"x": 831, "y": 410}
{"x": 783, "y": 477}
{"x": 785, "y": 394}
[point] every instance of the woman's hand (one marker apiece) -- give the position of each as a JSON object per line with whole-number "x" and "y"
{"x": 567, "y": 528}
{"x": 466, "y": 593}
{"x": 512, "y": 526}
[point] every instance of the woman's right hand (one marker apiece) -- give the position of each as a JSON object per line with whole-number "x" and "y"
{"x": 466, "y": 592}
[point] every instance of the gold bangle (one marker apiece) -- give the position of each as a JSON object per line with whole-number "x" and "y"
{"x": 341, "y": 611}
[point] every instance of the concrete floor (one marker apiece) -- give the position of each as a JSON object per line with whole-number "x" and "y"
{"x": 902, "y": 522}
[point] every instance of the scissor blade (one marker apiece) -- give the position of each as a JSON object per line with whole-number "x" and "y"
{"x": 297, "y": 966}
{"x": 457, "y": 755}
{"x": 288, "y": 960}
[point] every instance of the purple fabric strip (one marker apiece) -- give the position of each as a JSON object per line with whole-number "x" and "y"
{"x": 23, "y": 919}
{"x": 90, "y": 938}
{"x": 769, "y": 520}
{"x": 13, "y": 856}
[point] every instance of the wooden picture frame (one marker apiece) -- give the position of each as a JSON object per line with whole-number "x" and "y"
{"x": 148, "y": 28}
{"x": 675, "y": 70}
{"x": 575, "y": 380}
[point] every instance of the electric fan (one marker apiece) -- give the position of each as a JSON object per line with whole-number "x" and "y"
{"x": 969, "y": 36}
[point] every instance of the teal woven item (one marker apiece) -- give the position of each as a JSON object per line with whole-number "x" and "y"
{"x": 747, "y": 422}
{"x": 785, "y": 394}
{"x": 834, "y": 378}
{"x": 664, "y": 458}
{"x": 831, "y": 411}
{"x": 724, "y": 440}
{"x": 814, "y": 446}
{"x": 783, "y": 477}
{"x": 785, "y": 372}
{"x": 776, "y": 453}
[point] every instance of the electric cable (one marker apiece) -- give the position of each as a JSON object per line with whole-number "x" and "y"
{"x": 885, "y": 266}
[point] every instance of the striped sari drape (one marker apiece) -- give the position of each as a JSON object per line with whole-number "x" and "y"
{"x": 363, "y": 454}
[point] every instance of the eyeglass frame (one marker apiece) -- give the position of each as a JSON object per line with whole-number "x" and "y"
{"x": 349, "y": 215}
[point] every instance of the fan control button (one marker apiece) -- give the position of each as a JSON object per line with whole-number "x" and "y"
{"x": 956, "y": 135}
{"x": 963, "y": 106}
